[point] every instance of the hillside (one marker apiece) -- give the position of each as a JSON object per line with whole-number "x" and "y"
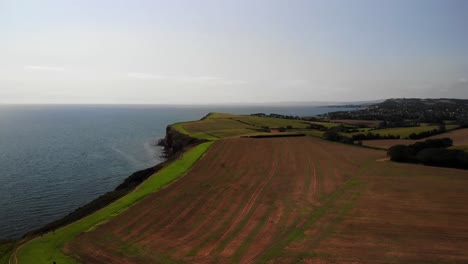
{"x": 286, "y": 198}
{"x": 419, "y": 110}
{"x": 289, "y": 201}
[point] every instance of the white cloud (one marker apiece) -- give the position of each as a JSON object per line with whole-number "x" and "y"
{"x": 43, "y": 68}
{"x": 462, "y": 80}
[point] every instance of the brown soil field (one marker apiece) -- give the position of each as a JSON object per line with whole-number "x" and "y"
{"x": 289, "y": 200}
{"x": 405, "y": 214}
{"x": 234, "y": 203}
{"x": 459, "y": 137}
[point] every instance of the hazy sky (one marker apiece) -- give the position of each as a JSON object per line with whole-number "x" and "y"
{"x": 100, "y": 51}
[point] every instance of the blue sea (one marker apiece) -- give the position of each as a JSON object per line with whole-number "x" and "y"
{"x": 56, "y": 158}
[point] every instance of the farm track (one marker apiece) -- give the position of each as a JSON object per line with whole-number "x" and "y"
{"x": 289, "y": 200}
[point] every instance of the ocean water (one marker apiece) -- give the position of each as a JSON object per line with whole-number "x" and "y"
{"x": 54, "y": 159}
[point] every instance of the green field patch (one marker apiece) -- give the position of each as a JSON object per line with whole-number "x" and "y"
{"x": 209, "y": 125}
{"x": 180, "y": 127}
{"x": 207, "y": 136}
{"x": 311, "y": 132}
{"x": 6, "y": 249}
{"x": 271, "y": 122}
{"x": 460, "y": 147}
{"x": 233, "y": 132}
{"x": 403, "y": 132}
{"x": 219, "y": 115}
{"x": 325, "y": 124}
{"x": 48, "y": 248}
{"x": 216, "y": 126}
{"x": 451, "y": 127}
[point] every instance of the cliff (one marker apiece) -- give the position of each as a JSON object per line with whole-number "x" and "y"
{"x": 175, "y": 141}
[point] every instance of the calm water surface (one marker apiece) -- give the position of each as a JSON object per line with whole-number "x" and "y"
{"x": 54, "y": 159}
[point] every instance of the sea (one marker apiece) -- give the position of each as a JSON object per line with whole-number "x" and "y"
{"x": 56, "y": 158}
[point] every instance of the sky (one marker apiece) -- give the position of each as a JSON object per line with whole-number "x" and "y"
{"x": 227, "y": 52}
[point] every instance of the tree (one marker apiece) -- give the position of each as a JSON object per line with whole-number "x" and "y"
{"x": 401, "y": 153}
{"x": 331, "y": 135}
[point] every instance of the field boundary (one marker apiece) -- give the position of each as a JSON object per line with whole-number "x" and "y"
{"x": 48, "y": 248}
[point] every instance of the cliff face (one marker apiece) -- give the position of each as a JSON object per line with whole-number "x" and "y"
{"x": 175, "y": 141}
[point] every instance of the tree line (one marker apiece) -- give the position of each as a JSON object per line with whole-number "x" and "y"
{"x": 432, "y": 152}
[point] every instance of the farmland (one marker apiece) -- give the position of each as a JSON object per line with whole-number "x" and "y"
{"x": 365, "y": 123}
{"x": 286, "y": 200}
{"x": 220, "y": 125}
{"x": 217, "y": 126}
{"x": 405, "y": 214}
{"x": 405, "y": 132}
{"x": 48, "y": 248}
{"x": 270, "y": 200}
{"x": 243, "y": 190}
{"x": 459, "y": 137}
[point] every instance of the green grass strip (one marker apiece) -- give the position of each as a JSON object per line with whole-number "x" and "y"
{"x": 6, "y": 249}
{"x": 180, "y": 127}
{"x": 48, "y": 248}
{"x": 201, "y": 135}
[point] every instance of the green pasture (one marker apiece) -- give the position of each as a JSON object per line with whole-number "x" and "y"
{"x": 6, "y": 248}
{"x": 219, "y": 115}
{"x": 220, "y": 125}
{"x": 233, "y": 132}
{"x": 210, "y": 125}
{"x": 460, "y": 147}
{"x": 312, "y": 132}
{"x": 325, "y": 124}
{"x": 271, "y": 122}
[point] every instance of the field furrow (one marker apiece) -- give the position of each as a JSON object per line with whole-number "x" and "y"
{"x": 289, "y": 200}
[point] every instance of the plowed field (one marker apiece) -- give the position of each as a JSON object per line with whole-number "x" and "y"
{"x": 289, "y": 200}
{"x": 236, "y": 203}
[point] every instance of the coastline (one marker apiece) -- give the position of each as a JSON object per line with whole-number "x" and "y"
{"x": 48, "y": 247}
{"x": 175, "y": 144}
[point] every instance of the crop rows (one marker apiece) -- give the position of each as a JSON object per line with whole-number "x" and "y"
{"x": 246, "y": 200}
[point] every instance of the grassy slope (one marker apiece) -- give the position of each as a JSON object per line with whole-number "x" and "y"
{"x": 180, "y": 127}
{"x": 235, "y": 175}
{"x": 48, "y": 248}
{"x": 271, "y": 122}
{"x": 217, "y": 126}
{"x": 6, "y": 248}
{"x": 461, "y": 147}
